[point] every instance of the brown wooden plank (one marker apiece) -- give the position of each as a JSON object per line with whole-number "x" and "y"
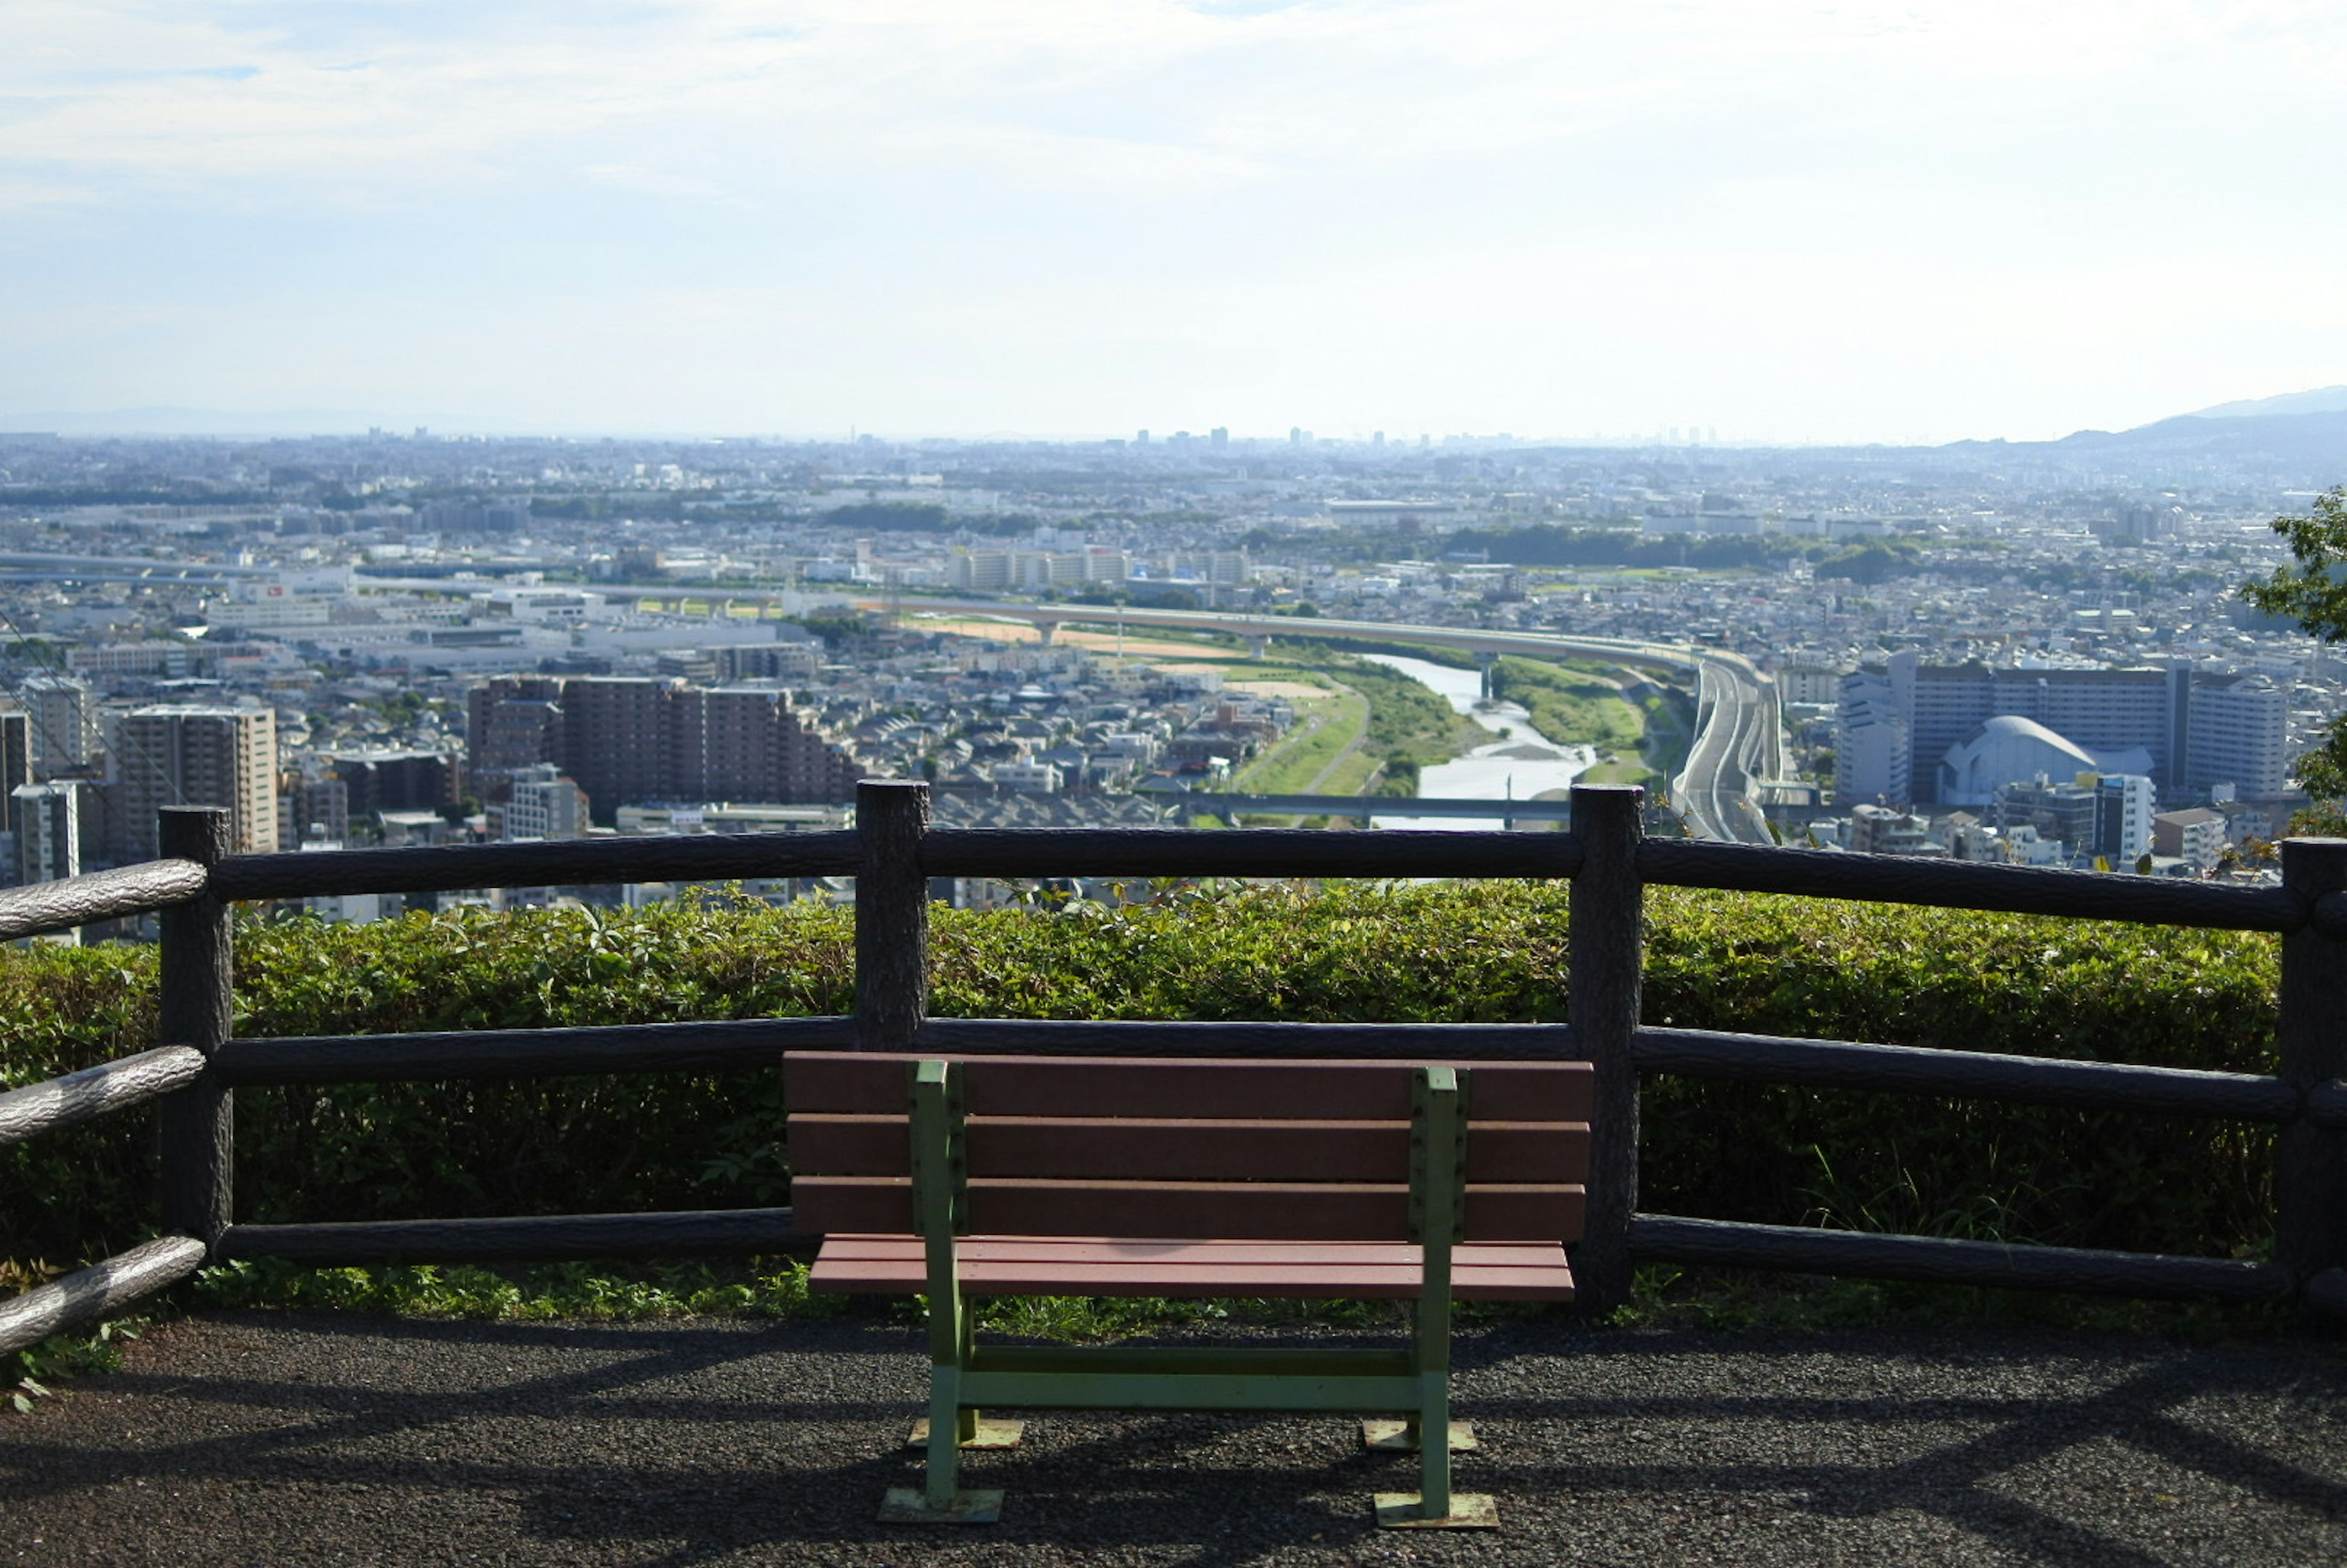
{"x": 873, "y": 1082}
{"x": 1390, "y": 1273}
{"x": 1268, "y": 1211}
{"x": 1333, "y": 1210}
{"x": 1203, "y": 1254}
{"x": 829, "y": 1143}
{"x": 1155, "y": 1149}
{"x": 824, "y": 1205}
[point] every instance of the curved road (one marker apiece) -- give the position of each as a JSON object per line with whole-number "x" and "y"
{"x": 1738, "y": 735}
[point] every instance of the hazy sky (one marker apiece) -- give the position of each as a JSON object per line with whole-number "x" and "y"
{"x": 1077, "y": 217}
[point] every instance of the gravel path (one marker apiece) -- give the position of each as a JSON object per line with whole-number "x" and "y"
{"x": 270, "y": 1439}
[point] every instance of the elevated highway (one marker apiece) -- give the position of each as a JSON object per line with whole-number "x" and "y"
{"x": 1737, "y": 737}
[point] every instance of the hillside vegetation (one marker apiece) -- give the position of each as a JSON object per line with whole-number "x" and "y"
{"x": 1479, "y": 953}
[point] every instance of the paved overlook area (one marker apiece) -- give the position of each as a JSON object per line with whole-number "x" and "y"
{"x": 265, "y": 1438}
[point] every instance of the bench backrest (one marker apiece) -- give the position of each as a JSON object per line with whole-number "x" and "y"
{"x": 1185, "y": 1147}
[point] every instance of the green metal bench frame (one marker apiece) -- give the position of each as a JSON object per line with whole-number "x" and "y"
{"x": 965, "y": 1376}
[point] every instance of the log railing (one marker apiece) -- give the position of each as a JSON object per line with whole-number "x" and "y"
{"x": 893, "y": 853}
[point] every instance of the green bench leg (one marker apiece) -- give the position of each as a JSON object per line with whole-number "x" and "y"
{"x": 1401, "y": 1437}
{"x": 941, "y": 1499}
{"x": 1437, "y": 1185}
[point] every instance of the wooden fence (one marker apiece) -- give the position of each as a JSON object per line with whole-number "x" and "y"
{"x": 893, "y": 853}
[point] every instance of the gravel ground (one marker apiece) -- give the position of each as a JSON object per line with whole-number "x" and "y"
{"x": 268, "y": 1439}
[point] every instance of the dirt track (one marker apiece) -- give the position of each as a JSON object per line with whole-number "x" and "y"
{"x": 273, "y": 1438}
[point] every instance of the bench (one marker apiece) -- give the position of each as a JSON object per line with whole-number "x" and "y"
{"x": 1028, "y": 1175}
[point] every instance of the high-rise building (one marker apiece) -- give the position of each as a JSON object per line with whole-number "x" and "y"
{"x": 48, "y": 831}
{"x": 2123, "y": 813}
{"x": 2239, "y": 736}
{"x": 628, "y": 740}
{"x": 15, "y": 761}
{"x": 64, "y": 718}
{"x": 2197, "y": 730}
{"x": 176, "y": 754}
{"x": 379, "y": 780}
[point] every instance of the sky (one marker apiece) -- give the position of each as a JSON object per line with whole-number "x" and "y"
{"x": 1078, "y": 217}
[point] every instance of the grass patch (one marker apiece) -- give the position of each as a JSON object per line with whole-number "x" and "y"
{"x": 1669, "y": 724}
{"x": 776, "y": 1287}
{"x": 1335, "y": 723}
{"x": 1351, "y": 777}
{"x": 1570, "y": 707}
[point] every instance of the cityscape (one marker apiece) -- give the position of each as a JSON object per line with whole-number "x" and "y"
{"x": 2026, "y": 653}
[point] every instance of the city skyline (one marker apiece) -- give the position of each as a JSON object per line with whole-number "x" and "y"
{"x": 1890, "y": 223}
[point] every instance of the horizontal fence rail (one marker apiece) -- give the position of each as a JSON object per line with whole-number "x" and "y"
{"x": 1913, "y": 1069}
{"x": 1171, "y": 852}
{"x": 727, "y": 1046}
{"x": 550, "y": 1238}
{"x": 1932, "y": 1260}
{"x": 1404, "y": 1042}
{"x": 94, "y": 1090}
{"x": 555, "y": 863}
{"x": 94, "y": 1291}
{"x": 893, "y": 854}
{"x": 140, "y": 889}
{"x": 1964, "y": 884}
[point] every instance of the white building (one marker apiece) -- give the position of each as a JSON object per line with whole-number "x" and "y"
{"x": 2239, "y": 736}
{"x": 48, "y": 832}
{"x": 544, "y": 805}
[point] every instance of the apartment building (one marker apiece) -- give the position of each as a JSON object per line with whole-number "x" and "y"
{"x": 188, "y": 755}
{"x": 628, "y": 740}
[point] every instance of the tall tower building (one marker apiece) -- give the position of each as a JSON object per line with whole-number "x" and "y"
{"x": 49, "y": 831}
{"x": 2240, "y": 735}
{"x": 63, "y": 724}
{"x": 171, "y": 754}
{"x": 15, "y": 761}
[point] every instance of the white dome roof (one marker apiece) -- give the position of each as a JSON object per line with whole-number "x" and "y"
{"x": 2009, "y": 749}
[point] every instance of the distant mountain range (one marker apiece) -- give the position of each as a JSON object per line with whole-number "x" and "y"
{"x": 2299, "y": 437}
{"x": 2322, "y": 400}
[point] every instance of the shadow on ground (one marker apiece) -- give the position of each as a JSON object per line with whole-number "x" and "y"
{"x": 268, "y": 1438}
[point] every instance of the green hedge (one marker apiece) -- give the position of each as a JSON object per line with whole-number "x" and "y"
{"x": 1484, "y": 953}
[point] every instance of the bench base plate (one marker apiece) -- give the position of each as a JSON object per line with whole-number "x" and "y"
{"x": 990, "y": 1435}
{"x": 1469, "y": 1511}
{"x": 1395, "y": 1437}
{"x": 910, "y": 1505}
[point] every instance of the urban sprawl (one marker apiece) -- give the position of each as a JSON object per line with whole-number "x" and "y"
{"x": 2030, "y": 655}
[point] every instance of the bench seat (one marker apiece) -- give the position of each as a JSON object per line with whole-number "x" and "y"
{"x": 1106, "y": 1265}
{"x": 957, "y": 1177}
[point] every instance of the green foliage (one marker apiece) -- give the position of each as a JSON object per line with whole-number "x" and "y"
{"x": 1569, "y": 708}
{"x": 2017, "y": 984}
{"x": 2312, "y": 592}
{"x": 1409, "y": 720}
{"x": 1491, "y": 952}
{"x": 759, "y": 1288}
{"x": 1873, "y": 563}
{"x": 890, "y": 516}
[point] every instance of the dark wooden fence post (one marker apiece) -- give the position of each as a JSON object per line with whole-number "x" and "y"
{"x": 1607, "y": 968}
{"x": 2311, "y": 1173}
{"x": 198, "y": 1123}
{"x": 892, "y": 914}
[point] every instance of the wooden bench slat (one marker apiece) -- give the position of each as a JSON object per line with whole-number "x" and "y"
{"x": 894, "y": 1266}
{"x": 875, "y": 1082}
{"x": 1161, "y": 1149}
{"x": 852, "y": 1248}
{"x": 1333, "y": 1210}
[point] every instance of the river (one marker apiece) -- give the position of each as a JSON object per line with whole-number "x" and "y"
{"x": 1518, "y": 762}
